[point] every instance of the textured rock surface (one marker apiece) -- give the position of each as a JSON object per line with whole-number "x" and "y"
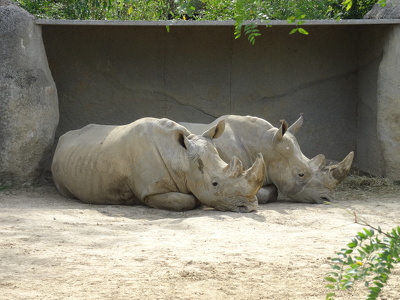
{"x": 390, "y": 11}
{"x": 28, "y": 97}
{"x": 388, "y": 91}
{"x": 388, "y": 98}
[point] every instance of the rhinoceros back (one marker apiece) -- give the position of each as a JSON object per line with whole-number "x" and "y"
{"x": 116, "y": 164}
{"x": 241, "y": 137}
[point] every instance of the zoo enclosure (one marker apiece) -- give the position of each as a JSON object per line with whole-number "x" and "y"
{"x": 114, "y": 72}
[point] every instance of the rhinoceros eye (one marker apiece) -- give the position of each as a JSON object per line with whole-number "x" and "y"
{"x": 301, "y": 174}
{"x": 215, "y": 183}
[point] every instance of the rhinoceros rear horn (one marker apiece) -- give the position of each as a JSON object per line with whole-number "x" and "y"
{"x": 340, "y": 171}
{"x": 215, "y": 131}
{"x": 234, "y": 168}
{"x": 256, "y": 174}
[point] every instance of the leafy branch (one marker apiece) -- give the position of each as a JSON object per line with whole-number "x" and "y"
{"x": 369, "y": 257}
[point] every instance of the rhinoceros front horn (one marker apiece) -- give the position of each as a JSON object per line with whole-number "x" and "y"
{"x": 256, "y": 174}
{"x": 340, "y": 171}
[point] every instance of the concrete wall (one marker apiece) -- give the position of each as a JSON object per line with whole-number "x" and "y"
{"x": 343, "y": 76}
{"x": 116, "y": 74}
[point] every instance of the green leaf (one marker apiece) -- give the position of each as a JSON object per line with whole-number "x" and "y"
{"x": 330, "y": 286}
{"x": 352, "y": 244}
{"x": 375, "y": 289}
{"x": 330, "y": 296}
{"x": 378, "y": 284}
{"x": 347, "y": 4}
{"x": 347, "y": 285}
{"x": 291, "y": 20}
{"x": 382, "y": 3}
{"x": 294, "y": 30}
{"x": 361, "y": 235}
{"x": 330, "y": 279}
{"x": 167, "y": 27}
{"x": 369, "y": 232}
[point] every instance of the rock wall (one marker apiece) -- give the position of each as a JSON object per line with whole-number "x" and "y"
{"x": 390, "y": 11}
{"x": 388, "y": 90}
{"x": 28, "y": 98}
{"x": 370, "y": 157}
{"x": 388, "y": 100}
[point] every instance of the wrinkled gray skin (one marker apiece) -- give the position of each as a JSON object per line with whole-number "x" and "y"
{"x": 288, "y": 171}
{"x": 156, "y": 162}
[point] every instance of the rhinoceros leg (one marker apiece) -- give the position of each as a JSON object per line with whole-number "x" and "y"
{"x": 172, "y": 201}
{"x": 268, "y": 193}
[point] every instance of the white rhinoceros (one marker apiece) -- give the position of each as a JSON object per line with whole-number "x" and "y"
{"x": 156, "y": 162}
{"x": 287, "y": 168}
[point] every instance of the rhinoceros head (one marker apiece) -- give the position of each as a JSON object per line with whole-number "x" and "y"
{"x": 297, "y": 177}
{"x": 226, "y": 187}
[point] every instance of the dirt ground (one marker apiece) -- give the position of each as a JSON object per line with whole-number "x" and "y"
{"x": 57, "y": 248}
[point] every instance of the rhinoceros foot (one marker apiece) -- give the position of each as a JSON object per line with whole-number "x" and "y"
{"x": 268, "y": 193}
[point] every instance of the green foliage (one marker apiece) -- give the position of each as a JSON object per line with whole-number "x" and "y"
{"x": 98, "y": 9}
{"x": 217, "y": 10}
{"x": 369, "y": 257}
{"x": 294, "y": 11}
{"x": 351, "y": 9}
{"x": 196, "y": 9}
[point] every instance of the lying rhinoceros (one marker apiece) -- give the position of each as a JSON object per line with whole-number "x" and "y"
{"x": 156, "y": 162}
{"x": 293, "y": 174}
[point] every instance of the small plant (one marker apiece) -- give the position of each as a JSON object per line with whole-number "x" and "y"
{"x": 369, "y": 258}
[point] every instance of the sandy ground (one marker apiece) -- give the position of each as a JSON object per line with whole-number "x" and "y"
{"x": 57, "y": 248}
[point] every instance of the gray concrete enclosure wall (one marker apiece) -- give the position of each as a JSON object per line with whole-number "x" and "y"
{"x": 117, "y": 74}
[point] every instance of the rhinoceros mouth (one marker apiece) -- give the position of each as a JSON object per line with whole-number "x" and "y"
{"x": 245, "y": 208}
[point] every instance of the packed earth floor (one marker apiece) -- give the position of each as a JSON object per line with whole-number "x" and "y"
{"x": 52, "y": 247}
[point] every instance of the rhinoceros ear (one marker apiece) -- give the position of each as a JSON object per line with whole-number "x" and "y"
{"x": 296, "y": 125}
{"x": 183, "y": 140}
{"x": 215, "y": 131}
{"x": 281, "y": 131}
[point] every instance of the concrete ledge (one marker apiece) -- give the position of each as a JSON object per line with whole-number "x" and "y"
{"x": 213, "y": 23}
